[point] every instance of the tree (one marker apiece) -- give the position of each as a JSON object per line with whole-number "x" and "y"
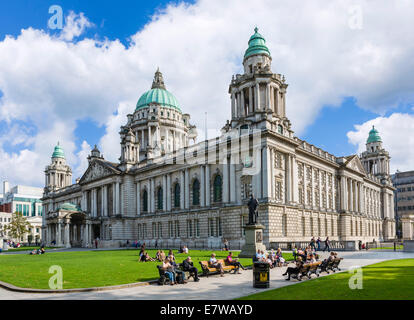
{"x": 18, "y": 226}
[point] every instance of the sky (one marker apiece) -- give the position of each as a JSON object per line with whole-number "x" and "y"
{"x": 348, "y": 64}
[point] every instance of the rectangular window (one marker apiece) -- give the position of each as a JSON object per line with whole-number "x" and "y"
{"x": 210, "y": 227}
{"x": 159, "y": 230}
{"x": 189, "y": 229}
{"x": 219, "y": 232}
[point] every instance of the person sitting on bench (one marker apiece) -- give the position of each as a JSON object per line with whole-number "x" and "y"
{"x": 169, "y": 271}
{"x": 189, "y": 266}
{"x": 234, "y": 262}
{"x": 180, "y": 274}
{"x": 294, "y": 270}
{"x": 214, "y": 264}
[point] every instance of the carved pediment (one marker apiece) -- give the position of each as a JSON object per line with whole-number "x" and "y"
{"x": 95, "y": 171}
{"x": 355, "y": 164}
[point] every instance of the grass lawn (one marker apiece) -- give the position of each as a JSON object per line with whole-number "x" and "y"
{"x": 389, "y": 280}
{"x": 86, "y": 269}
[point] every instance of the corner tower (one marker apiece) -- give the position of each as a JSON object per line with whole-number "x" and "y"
{"x": 58, "y": 174}
{"x": 376, "y": 159}
{"x": 258, "y": 96}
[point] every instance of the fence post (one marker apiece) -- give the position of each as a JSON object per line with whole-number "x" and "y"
{"x": 395, "y": 247}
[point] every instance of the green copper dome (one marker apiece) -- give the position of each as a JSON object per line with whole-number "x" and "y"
{"x": 58, "y": 152}
{"x": 374, "y": 136}
{"x": 158, "y": 94}
{"x": 257, "y": 45}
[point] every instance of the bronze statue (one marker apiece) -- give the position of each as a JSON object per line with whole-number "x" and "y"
{"x": 253, "y": 204}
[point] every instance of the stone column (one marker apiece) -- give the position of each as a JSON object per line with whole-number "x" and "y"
{"x": 266, "y": 179}
{"x": 82, "y": 235}
{"x": 225, "y": 180}
{"x": 118, "y": 210}
{"x": 168, "y": 191}
{"x": 149, "y": 137}
{"x": 295, "y": 185}
{"x": 232, "y": 167}
{"x": 344, "y": 196}
{"x": 59, "y": 234}
{"x": 243, "y": 113}
{"x": 268, "y": 96}
{"x": 257, "y": 96}
{"x": 142, "y": 139}
{"x": 233, "y": 105}
{"x": 152, "y": 195}
{"x": 288, "y": 168}
{"x": 207, "y": 177}
{"x": 182, "y": 189}
{"x": 67, "y": 235}
{"x": 106, "y": 200}
{"x": 138, "y": 193}
{"x": 186, "y": 189}
{"x": 202, "y": 187}
{"x": 250, "y": 100}
{"x": 114, "y": 205}
{"x": 164, "y": 193}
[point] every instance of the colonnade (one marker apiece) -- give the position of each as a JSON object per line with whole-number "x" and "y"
{"x": 253, "y": 97}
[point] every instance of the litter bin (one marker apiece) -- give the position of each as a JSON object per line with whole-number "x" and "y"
{"x": 261, "y": 275}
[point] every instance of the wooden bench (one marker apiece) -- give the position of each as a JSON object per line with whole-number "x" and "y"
{"x": 334, "y": 265}
{"x": 207, "y": 269}
{"x": 313, "y": 268}
{"x": 304, "y": 270}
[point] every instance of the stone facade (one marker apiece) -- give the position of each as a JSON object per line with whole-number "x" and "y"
{"x": 166, "y": 190}
{"x": 404, "y": 199}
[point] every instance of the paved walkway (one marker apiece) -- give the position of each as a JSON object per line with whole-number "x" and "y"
{"x": 228, "y": 287}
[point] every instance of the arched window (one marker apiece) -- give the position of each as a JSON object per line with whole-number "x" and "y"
{"x": 196, "y": 193}
{"x": 177, "y": 195}
{"x": 280, "y": 129}
{"x": 218, "y": 188}
{"x": 159, "y": 199}
{"x": 145, "y": 201}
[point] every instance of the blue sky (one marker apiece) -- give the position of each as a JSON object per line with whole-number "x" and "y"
{"x": 342, "y": 79}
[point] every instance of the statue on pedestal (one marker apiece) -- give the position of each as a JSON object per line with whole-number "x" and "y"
{"x": 253, "y": 204}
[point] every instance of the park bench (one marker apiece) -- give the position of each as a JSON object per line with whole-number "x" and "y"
{"x": 207, "y": 270}
{"x": 334, "y": 265}
{"x": 313, "y": 268}
{"x": 304, "y": 270}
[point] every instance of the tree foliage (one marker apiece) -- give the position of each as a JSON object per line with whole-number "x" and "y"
{"x": 18, "y": 226}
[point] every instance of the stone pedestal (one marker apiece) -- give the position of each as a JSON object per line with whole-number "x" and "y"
{"x": 254, "y": 240}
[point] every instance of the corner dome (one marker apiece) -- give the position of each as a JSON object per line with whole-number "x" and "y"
{"x": 257, "y": 45}
{"x": 58, "y": 152}
{"x": 158, "y": 94}
{"x": 374, "y": 136}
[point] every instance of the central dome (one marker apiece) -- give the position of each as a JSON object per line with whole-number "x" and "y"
{"x": 158, "y": 94}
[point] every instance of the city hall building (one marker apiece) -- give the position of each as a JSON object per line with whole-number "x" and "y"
{"x": 168, "y": 190}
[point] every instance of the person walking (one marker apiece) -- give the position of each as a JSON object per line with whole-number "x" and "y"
{"x": 327, "y": 245}
{"x": 318, "y": 242}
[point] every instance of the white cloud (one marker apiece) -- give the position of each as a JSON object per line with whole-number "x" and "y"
{"x": 75, "y": 25}
{"x": 82, "y": 156}
{"x": 50, "y": 79}
{"x": 396, "y": 132}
